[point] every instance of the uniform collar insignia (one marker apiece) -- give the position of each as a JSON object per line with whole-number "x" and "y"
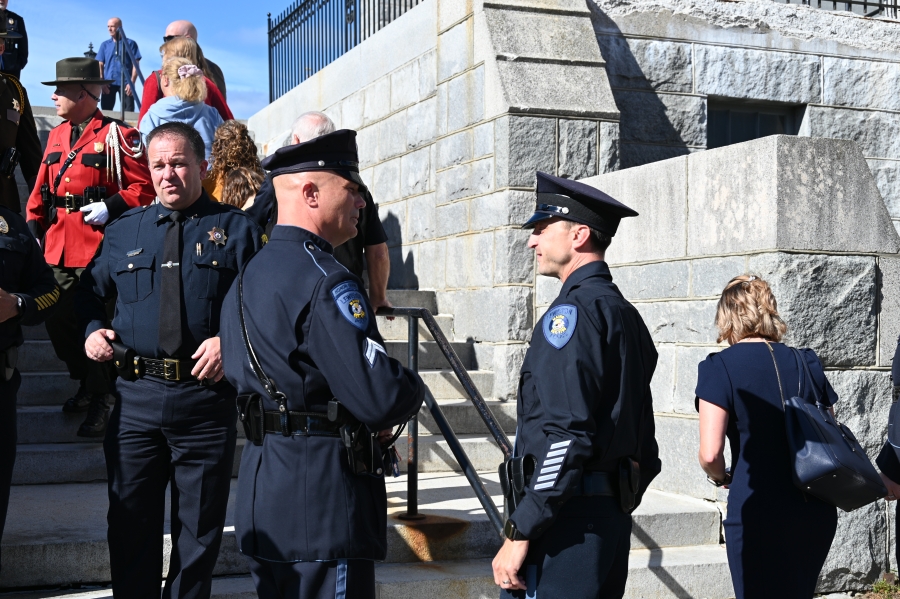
{"x": 4, "y": 226}
{"x": 217, "y": 236}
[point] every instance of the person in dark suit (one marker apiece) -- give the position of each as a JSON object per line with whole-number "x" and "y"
{"x": 777, "y": 537}
{"x": 169, "y": 266}
{"x": 585, "y": 423}
{"x": 15, "y": 46}
{"x": 297, "y": 318}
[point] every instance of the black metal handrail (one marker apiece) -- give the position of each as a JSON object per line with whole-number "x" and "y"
{"x": 310, "y": 34}
{"x": 868, "y": 8}
{"x": 414, "y": 314}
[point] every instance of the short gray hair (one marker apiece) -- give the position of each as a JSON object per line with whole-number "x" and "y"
{"x": 311, "y": 125}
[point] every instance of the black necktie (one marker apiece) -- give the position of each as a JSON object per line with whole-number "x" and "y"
{"x": 170, "y": 338}
{"x": 76, "y": 135}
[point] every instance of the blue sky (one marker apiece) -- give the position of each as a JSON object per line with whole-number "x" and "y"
{"x": 231, "y": 33}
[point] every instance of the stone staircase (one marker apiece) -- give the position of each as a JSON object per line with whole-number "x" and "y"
{"x": 56, "y": 528}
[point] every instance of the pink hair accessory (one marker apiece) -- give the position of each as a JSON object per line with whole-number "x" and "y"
{"x": 189, "y": 70}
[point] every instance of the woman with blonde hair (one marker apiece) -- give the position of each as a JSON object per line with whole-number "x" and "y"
{"x": 777, "y": 537}
{"x": 184, "y": 91}
{"x": 182, "y": 47}
{"x": 232, "y": 148}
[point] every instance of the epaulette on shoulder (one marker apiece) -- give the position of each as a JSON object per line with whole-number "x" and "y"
{"x": 133, "y": 211}
{"x": 325, "y": 261}
{"x": 106, "y": 120}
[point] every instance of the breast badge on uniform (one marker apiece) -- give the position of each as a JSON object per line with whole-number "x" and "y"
{"x": 4, "y": 226}
{"x": 99, "y": 146}
{"x": 217, "y": 236}
{"x": 351, "y": 304}
{"x": 559, "y": 324}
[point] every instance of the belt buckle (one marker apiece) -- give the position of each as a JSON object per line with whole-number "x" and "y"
{"x": 70, "y": 202}
{"x": 167, "y": 362}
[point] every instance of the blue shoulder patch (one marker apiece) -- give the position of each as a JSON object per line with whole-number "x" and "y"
{"x": 559, "y": 324}
{"x": 351, "y": 304}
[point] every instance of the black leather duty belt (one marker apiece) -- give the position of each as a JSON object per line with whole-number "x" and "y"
{"x": 72, "y": 203}
{"x": 597, "y": 484}
{"x": 311, "y": 424}
{"x": 169, "y": 369}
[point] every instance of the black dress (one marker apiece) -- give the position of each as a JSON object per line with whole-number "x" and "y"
{"x": 776, "y": 537}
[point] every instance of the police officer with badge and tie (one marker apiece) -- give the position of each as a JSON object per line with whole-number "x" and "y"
{"x": 93, "y": 170}
{"x": 169, "y": 265}
{"x": 14, "y": 55}
{"x": 19, "y": 142}
{"x": 28, "y": 294}
{"x": 315, "y": 386}
{"x": 585, "y": 447}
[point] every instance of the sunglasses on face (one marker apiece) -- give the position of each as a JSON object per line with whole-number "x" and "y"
{"x": 167, "y": 38}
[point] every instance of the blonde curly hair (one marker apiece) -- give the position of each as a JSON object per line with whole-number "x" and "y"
{"x": 747, "y": 308}
{"x": 233, "y": 147}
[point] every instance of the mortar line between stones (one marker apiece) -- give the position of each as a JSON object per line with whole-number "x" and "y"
{"x": 694, "y": 68}
{"x": 822, "y": 78}
{"x": 465, "y": 71}
{"x": 857, "y": 108}
{"x": 650, "y": 143}
{"x": 747, "y": 253}
{"x": 657, "y": 92}
{"x": 687, "y": 211}
{"x": 451, "y": 26}
{"x": 685, "y": 41}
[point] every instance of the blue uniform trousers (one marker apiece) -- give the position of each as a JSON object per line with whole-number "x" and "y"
{"x": 338, "y": 579}
{"x": 161, "y": 432}
{"x": 584, "y": 554}
{"x": 8, "y": 390}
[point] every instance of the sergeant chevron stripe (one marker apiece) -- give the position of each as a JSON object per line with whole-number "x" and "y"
{"x": 48, "y": 299}
{"x": 549, "y": 472}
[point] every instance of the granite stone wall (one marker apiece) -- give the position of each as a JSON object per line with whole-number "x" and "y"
{"x": 668, "y": 59}
{"x": 829, "y": 252}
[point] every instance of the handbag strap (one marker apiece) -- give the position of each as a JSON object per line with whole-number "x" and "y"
{"x": 777, "y": 374}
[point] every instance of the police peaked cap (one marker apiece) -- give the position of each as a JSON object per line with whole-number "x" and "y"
{"x": 335, "y": 152}
{"x": 577, "y": 202}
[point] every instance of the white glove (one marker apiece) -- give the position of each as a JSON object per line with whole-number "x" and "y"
{"x": 99, "y": 213}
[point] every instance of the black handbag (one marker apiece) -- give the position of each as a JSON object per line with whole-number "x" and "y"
{"x": 827, "y": 461}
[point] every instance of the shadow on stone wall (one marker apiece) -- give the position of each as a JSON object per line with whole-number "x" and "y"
{"x": 403, "y": 271}
{"x": 647, "y": 133}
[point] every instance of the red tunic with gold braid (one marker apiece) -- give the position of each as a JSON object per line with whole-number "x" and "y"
{"x": 69, "y": 241}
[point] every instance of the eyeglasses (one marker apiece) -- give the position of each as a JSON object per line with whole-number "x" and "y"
{"x": 168, "y": 38}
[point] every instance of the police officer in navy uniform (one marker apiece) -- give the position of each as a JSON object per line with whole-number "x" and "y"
{"x": 311, "y": 511}
{"x": 28, "y": 294}
{"x": 170, "y": 264}
{"x": 15, "y": 51}
{"x": 585, "y": 441}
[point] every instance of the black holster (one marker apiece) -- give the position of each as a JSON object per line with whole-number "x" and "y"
{"x": 8, "y": 162}
{"x": 629, "y": 484}
{"x": 364, "y": 454}
{"x": 123, "y": 358}
{"x": 49, "y": 204}
{"x": 515, "y": 476}
{"x": 8, "y": 360}
{"x": 250, "y": 413}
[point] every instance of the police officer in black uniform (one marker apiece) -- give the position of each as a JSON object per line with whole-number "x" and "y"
{"x": 170, "y": 264}
{"x": 28, "y": 293}
{"x": 19, "y": 142}
{"x": 314, "y": 384}
{"x": 15, "y": 52}
{"x": 585, "y": 447}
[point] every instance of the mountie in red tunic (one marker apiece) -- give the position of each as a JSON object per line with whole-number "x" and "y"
{"x": 121, "y": 170}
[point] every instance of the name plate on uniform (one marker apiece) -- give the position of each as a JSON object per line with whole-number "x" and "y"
{"x": 13, "y": 115}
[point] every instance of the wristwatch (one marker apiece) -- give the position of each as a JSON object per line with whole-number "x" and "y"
{"x": 20, "y": 304}
{"x": 511, "y": 532}
{"x": 720, "y": 483}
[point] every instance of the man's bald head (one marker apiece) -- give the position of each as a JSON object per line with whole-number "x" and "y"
{"x": 321, "y": 202}
{"x": 182, "y": 28}
{"x": 310, "y": 125}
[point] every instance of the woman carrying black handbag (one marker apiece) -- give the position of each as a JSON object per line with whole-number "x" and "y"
{"x": 777, "y": 537}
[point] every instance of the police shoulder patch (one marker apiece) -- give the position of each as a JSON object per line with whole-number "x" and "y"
{"x": 559, "y": 324}
{"x": 351, "y": 304}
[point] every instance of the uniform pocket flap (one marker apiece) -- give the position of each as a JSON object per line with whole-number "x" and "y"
{"x": 53, "y": 157}
{"x": 12, "y": 244}
{"x": 134, "y": 263}
{"x": 217, "y": 260}
{"x": 95, "y": 160}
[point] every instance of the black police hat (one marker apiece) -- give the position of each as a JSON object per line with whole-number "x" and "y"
{"x": 335, "y": 152}
{"x": 580, "y": 203}
{"x": 78, "y": 70}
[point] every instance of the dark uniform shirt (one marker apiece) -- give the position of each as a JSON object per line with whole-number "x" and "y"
{"x": 369, "y": 230}
{"x": 129, "y": 263}
{"x": 584, "y": 394}
{"x": 15, "y": 55}
{"x": 314, "y": 333}
{"x": 18, "y": 130}
{"x": 24, "y": 273}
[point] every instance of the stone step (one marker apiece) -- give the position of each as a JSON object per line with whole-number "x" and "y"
{"x": 435, "y": 454}
{"x": 61, "y": 463}
{"x": 56, "y": 535}
{"x": 675, "y": 573}
{"x": 46, "y": 388}
{"x": 38, "y": 331}
{"x": 411, "y": 298}
{"x": 397, "y": 328}
{"x": 38, "y": 356}
{"x": 49, "y": 424}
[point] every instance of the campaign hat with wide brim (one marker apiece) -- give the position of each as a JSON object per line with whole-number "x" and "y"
{"x": 78, "y": 70}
